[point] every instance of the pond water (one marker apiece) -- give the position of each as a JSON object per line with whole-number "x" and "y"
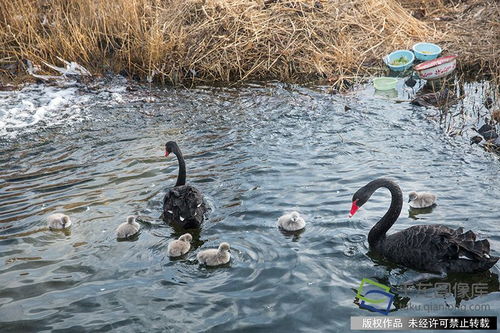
{"x": 96, "y": 153}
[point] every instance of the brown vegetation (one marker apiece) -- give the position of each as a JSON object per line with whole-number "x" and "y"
{"x": 178, "y": 41}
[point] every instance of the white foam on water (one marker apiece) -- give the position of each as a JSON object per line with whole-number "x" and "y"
{"x": 36, "y": 107}
{"x": 22, "y": 111}
{"x": 118, "y": 98}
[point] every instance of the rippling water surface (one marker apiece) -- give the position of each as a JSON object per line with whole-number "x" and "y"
{"x": 256, "y": 152}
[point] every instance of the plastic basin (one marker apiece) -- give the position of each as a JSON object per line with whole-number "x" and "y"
{"x": 426, "y": 51}
{"x": 408, "y": 55}
{"x": 436, "y": 68}
{"x": 385, "y": 83}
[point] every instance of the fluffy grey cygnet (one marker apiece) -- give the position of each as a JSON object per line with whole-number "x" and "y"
{"x": 179, "y": 246}
{"x": 128, "y": 229}
{"x": 421, "y": 199}
{"x": 58, "y": 221}
{"x": 291, "y": 222}
{"x": 215, "y": 257}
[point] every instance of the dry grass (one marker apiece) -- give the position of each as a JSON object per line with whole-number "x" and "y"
{"x": 210, "y": 40}
{"x": 179, "y": 41}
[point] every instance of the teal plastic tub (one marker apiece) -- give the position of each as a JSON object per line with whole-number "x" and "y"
{"x": 397, "y": 55}
{"x": 426, "y": 51}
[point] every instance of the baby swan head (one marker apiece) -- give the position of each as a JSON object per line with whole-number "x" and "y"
{"x": 131, "y": 219}
{"x": 186, "y": 238}
{"x": 412, "y": 196}
{"x": 224, "y": 247}
{"x": 66, "y": 221}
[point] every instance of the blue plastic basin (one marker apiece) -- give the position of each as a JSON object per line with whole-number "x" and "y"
{"x": 397, "y": 55}
{"x": 426, "y": 51}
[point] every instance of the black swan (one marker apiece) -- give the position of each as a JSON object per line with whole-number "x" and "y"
{"x": 433, "y": 248}
{"x": 183, "y": 205}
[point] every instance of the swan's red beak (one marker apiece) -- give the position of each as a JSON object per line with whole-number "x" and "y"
{"x": 166, "y": 153}
{"x": 354, "y": 208}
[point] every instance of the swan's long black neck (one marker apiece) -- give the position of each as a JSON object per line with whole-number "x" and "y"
{"x": 181, "y": 178}
{"x": 377, "y": 233}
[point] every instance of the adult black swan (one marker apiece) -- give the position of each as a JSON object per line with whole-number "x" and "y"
{"x": 183, "y": 205}
{"x": 433, "y": 248}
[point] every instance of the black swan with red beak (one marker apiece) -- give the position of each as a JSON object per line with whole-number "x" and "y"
{"x": 433, "y": 248}
{"x": 183, "y": 205}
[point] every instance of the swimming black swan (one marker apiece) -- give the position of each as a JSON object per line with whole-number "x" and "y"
{"x": 433, "y": 248}
{"x": 183, "y": 205}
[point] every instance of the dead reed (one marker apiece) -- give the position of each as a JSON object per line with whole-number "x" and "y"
{"x": 179, "y": 41}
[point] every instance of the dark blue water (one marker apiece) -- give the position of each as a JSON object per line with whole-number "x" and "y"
{"x": 256, "y": 152}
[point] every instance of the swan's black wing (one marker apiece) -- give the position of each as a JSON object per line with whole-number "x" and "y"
{"x": 437, "y": 248}
{"x": 184, "y": 206}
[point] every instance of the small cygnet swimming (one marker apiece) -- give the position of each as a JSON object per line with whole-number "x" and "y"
{"x": 215, "y": 257}
{"x": 180, "y": 246}
{"x": 291, "y": 222}
{"x": 127, "y": 229}
{"x": 58, "y": 221}
{"x": 421, "y": 199}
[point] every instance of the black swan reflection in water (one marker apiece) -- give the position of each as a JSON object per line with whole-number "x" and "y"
{"x": 433, "y": 248}
{"x": 183, "y": 205}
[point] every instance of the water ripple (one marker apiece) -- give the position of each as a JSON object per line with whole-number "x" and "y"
{"x": 256, "y": 152}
